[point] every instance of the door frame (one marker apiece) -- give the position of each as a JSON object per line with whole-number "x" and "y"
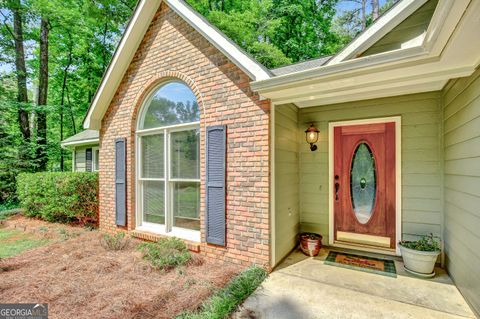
{"x": 398, "y": 182}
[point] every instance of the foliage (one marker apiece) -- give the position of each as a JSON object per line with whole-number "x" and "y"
{"x": 225, "y": 301}
{"x": 82, "y": 37}
{"x": 4, "y": 214}
{"x": 59, "y": 197}
{"x": 114, "y": 242}
{"x": 349, "y": 23}
{"x": 13, "y": 242}
{"x": 275, "y": 32}
{"x": 426, "y": 243}
{"x": 166, "y": 254}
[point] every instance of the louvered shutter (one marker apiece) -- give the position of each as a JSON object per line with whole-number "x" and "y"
{"x": 215, "y": 185}
{"x": 120, "y": 183}
{"x": 88, "y": 159}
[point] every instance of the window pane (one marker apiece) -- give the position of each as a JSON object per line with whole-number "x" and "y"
{"x": 185, "y": 154}
{"x": 154, "y": 201}
{"x": 186, "y": 205}
{"x": 97, "y": 156}
{"x": 152, "y": 156}
{"x": 172, "y": 103}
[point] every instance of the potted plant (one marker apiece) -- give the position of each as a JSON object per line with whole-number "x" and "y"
{"x": 310, "y": 243}
{"x": 419, "y": 256}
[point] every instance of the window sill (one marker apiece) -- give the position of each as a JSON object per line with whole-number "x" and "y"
{"x": 190, "y": 237}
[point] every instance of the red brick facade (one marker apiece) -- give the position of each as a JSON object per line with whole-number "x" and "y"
{"x": 171, "y": 48}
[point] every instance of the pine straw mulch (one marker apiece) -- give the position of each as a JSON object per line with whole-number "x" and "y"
{"x": 79, "y": 278}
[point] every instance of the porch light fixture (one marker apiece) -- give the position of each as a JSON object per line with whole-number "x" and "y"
{"x": 311, "y": 135}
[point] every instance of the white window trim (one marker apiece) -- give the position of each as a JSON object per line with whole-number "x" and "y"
{"x": 398, "y": 181}
{"x": 167, "y": 229}
{"x": 94, "y": 159}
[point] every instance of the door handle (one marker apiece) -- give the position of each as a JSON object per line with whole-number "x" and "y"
{"x": 337, "y": 186}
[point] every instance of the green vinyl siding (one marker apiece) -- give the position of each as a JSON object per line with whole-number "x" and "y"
{"x": 461, "y": 111}
{"x": 286, "y": 180}
{"x": 410, "y": 28}
{"x": 421, "y": 160}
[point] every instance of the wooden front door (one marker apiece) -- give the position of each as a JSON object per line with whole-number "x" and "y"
{"x": 364, "y": 184}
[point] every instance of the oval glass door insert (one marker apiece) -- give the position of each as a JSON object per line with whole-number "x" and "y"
{"x": 363, "y": 183}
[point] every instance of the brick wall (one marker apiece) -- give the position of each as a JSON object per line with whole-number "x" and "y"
{"x": 173, "y": 49}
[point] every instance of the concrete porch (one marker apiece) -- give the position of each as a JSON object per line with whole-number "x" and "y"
{"x": 303, "y": 287}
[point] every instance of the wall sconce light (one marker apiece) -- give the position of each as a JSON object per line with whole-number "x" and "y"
{"x": 311, "y": 135}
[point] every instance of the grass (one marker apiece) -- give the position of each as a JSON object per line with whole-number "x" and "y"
{"x": 14, "y": 242}
{"x": 166, "y": 254}
{"x": 225, "y": 301}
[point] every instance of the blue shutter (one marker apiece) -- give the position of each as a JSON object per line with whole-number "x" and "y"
{"x": 120, "y": 183}
{"x": 88, "y": 160}
{"x": 215, "y": 185}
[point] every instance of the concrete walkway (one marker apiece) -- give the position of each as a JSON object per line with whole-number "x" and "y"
{"x": 303, "y": 287}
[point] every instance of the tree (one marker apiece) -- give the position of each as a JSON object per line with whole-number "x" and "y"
{"x": 21, "y": 71}
{"x": 42, "y": 95}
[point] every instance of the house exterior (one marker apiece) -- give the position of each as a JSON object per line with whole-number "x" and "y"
{"x": 85, "y": 151}
{"x": 199, "y": 141}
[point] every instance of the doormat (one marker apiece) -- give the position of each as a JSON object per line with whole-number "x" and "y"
{"x": 368, "y": 264}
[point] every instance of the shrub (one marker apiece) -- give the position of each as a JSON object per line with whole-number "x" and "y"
{"x": 59, "y": 197}
{"x": 114, "y": 242}
{"x": 226, "y": 300}
{"x": 426, "y": 243}
{"x": 166, "y": 254}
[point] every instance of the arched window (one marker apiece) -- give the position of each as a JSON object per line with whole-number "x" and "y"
{"x": 168, "y": 162}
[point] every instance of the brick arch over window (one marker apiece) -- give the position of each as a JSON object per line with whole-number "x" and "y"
{"x": 153, "y": 83}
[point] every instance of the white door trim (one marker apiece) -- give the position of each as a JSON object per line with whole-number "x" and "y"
{"x": 398, "y": 181}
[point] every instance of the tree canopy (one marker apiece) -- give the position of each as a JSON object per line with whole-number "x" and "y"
{"x": 53, "y": 54}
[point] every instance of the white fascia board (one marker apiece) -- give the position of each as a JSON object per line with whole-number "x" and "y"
{"x": 363, "y": 64}
{"x": 81, "y": 142}
{"x": 361, "y": 89}
{"x": 255, "y": 70}
{"x": 123, "y": 55}
{"x": 379, "y": 29}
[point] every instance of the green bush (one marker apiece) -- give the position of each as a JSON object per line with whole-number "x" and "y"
{"x": 166, "y": 254}
{"x": 59, "y": 196}
{"x": 114, "y": 242}
{"x": 226, "y": 300}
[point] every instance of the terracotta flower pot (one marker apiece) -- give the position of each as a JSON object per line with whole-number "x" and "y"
{"x": 310, "y": 243}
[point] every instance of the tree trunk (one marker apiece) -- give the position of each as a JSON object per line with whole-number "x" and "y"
{"x": 375, "y": 9}
{"x": 62, "y": 100}
{"x": 21, "y": 70}
{"x": 42, "y": 96}
{"x": 364, "y": 14}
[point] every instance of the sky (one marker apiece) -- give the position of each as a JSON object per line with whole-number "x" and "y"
{"x": 344, "y": 5}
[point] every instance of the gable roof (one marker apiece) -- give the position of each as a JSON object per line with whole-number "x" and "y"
{"x": 301, "y": 66}
{"x": 377, "y": 30}
{"x": 82, "y": 138}
{"x": 132, "y": 38}
{"x": 448, "y": 49}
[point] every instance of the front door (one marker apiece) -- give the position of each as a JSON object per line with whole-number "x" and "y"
{"x": 364, "y": 185}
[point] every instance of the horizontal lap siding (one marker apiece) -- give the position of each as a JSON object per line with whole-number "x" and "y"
{"x": 287, "y": 216}
{"x": 421, "y": 160}
{"x": 461, "y": 112}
